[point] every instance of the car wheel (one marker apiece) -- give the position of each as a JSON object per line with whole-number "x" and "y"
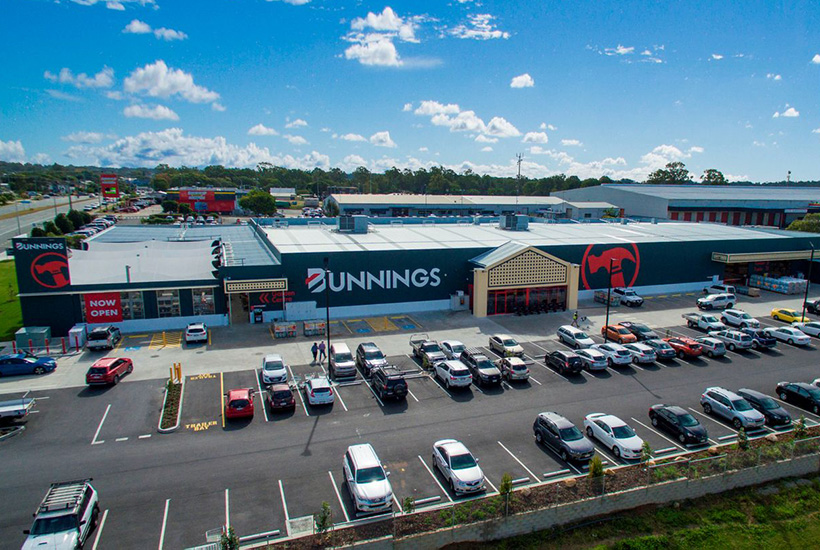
{"x": 723, "y": 320}
{"x": 783, "y": 396}
{"x": 616, "y": 451}
{"x": 815, "y": 409}
{"x": 682, "y": 439}
{"x": 538, "y": 437}
{"x": 609, "y": 362}
{"x": 655, "y": 421}
{"x": 453, "y": 487}
{"x": 731, "y": 305}
{"x": 691, "y": 324}
{"x": 39, "y": 370}
{"x": 710, "y": 354}
{"x": 791, "y": 342}
{"x": 755, "y": 345}
{"x": 681, "y": 354}
{"x": 130, "y": 368}
{"x": 731, "y": 347}
{"x": 564, "y": 455}
{"x": 447, "y": 384}
{"x": 737, "y": 423}
{"x": 589, "y": 431}
{"x": 577, "y": 345}
{"x": 707, "y": 408}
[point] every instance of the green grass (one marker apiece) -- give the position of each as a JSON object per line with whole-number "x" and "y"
{"x": 738, "y": 520}
{"x": 11, "y": 316}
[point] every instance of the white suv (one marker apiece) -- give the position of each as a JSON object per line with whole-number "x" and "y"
{"x": 739, "y": 318}
{"x": 574, "y": 337}
{"x": 65, "y": 517}
{"x": 453, "y": 373}
{"x": 717, "y": 301}
{"x": 366, "y": 480}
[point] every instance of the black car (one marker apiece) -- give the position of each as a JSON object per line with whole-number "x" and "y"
{"x": 641, "y": 331}
{"x": 388, "y": 383}
{"x": 562, "y": 436}
{"x": 768, "y": 407}
{"x": 760, "y": 340}
{"x": 801, "y": 394}
{"x": 564, "y": 361}
{"x": 679, "y": 423}
{"x": 368, "y": 356}
{"x": 663, "y": 351}
{"x": 813, "y": 307}
{"x": 483, "y": 370}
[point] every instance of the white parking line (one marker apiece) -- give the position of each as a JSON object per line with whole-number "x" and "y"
{"x": 120, "y": 439}
{"x": 261, "y": 395}
{"x": 533, "y": 477}
{"x": 285, "y": 508}
{"x": 412, "y": 394}
{"x": 94, "y": 441}
{"x": 100, "y": 530}
{"x": 164, "y": 523}
{"x": 434, "y": 380}
{"x": 475, "y": 385}
{"x": 675, "y": 443}
{"x": 298, "y": 393}
{"x": 146, "y": 436}
{"x": 338, "y": 495}
{"x": 490, "y": 483}
{"x": 342, "y": 401}
{"x": 373, "y": 392}
{"x": 440, "y": 486}
{"x": 227, "y": 510}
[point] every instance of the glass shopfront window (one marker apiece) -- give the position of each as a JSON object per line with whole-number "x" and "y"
{"x": 168, "y": 303}
{"x": 203, "y": 301}
{"x": 132, "y": 305}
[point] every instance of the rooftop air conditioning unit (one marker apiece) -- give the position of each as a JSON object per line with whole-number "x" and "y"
{"x": 356, "y": 225}
{"x": 514, "y": 222}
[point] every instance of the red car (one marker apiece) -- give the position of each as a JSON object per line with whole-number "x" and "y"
{"x": 280, "y": 397}
{"x": 617, "y": 333}
{"x": 239, "y": 403}
{"x": 108, "y": 370}
{"x": 685, "y": 347}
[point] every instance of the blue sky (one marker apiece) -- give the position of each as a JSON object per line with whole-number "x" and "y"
{"x": 585, "y": 88}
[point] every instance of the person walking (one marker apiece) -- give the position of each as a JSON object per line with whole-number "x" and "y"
{"x": 322, "y": 351}
{"x": 314, "y": 349}
{"x": 575, "y": 319}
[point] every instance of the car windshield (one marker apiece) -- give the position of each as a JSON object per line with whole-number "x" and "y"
{"x": 623, "y": 331}
{"x": 628, "y": 292}
{"x": 457, "y": 349}
{"x": 519, "y": 366}
{"x": 641, "y": 328}
{"x": 687, "y": 420}
{"x": 663, "y": 345}
{"x": 58, "y": 524}
{"x": 581, "y": 335}
{"x": 769, "y": 404}
{"x": 509, "y": 342}
{"x": 709, "y": 319}
{"x": 484, "y": 363}
{"x": 98, "y": 335}
{"x": 741, "y": 405}
{"x": 274, "y": 365}
{"x": 282, "y": 394}
{"x": 373, "y": 354}
{"x": 622, "y": 432}
{"x": 431, "y": 348}
{"x": 570, "y": 434}
{"x": 343, "y": 357}
{"x": 461, "y": 462}
{"x": 745, "y": 315}
{"x": 814, "y": 393}
{"x": 368, "y": 475}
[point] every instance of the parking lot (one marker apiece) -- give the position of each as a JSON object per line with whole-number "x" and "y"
{"x": 266, "y": 473}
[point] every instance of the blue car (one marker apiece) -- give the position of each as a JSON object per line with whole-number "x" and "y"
{"x": 25, "y": 363}
{"x": 760, "y": 340}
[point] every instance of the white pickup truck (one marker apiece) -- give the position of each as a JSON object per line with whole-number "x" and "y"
{"x": 703, "y": 321}
{"x": 16, "y": 408}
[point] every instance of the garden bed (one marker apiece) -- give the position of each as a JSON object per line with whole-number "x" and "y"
{"x": 171, "y": 407}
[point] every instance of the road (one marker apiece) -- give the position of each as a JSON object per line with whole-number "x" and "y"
{"x": 8, "y": 227}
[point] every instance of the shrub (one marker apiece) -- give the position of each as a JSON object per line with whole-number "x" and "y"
{"x": 742, "y": 439}
{"x": 323, "y": 518}
{"x": 596, "y": 467}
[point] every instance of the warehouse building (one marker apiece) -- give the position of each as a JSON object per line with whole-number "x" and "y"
{"x": 205, "y": 200}
{"x": 148, "y": 277}
{"x": 769, "y": 205}
{"x": 398, "y": 205}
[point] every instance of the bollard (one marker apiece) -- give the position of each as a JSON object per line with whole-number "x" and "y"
{"x": 13, "y": 346}
{"x": 76, "y": 342}
{"x": 164, "y": 343}
{"x": 63, "y": 342}
{"x": 48, "y": 352}
{"x": 30, "y": 345}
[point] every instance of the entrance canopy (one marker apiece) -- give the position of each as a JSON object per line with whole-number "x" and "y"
{"x": 750, "y": 257}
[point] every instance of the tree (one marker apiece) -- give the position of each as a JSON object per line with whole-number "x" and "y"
{"x": 51, "y": 228}
{"x": 76, "y": 218}
{"x": 675, "y": 173}
{"x": 810, "y": 224}
{"x": 259, "y": 202}
{"x": 63, "y": 223}
{"x": 184, "y": 208}
{"x": 170, "y": 206}
{"x": 38, "y": 232}
{"x": 331, "y": 209}
{"x": 713, "y": 177}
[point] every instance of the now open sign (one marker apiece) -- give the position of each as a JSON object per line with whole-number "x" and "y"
{"x": 104, "y": 307}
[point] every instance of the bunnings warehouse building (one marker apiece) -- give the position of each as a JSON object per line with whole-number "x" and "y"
{"x": 147, "y": 277}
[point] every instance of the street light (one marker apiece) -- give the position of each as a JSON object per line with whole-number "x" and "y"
{"x": 327, "y": 308}
{"x": 808, "y": 282}
{"x": 608, "y": 296}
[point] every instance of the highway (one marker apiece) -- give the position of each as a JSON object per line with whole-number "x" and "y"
{"x": 8, "y": 227}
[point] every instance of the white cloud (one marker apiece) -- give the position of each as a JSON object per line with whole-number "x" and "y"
{"x": 262, "y": 130}
{"x": 816, "y": 59}
{"x": 500, "y": 127}
{"x": 12, "y": 151}
{"x": 479, "y": 27}
{"x": 620, "y": 50}
{"x": 158, "y": 80}
{"x": 112, "y": 5}
{"x": 717, "y": 56}
{"x": 430, "y": 108}
{"x": 773, "y": 76}
{"x": 117, "y": 96}
{"x": 353, "y": 137}
{"x": 351, "y": 162}
{"x": 407, "y": 107}
{"x": 118, "y": 5}
{"x": 387, "y": 20}
{"x": 545, "y": 126}
{"x": 486, "y": 149}
{"x": 137, "y": 27}
{"x": 156, "y": 112}
{"x": 374, "y": 49}
{"x": 84, "y": 137}
{"x": 382, "y": 139}
{"x": 522, "y": 81}
{"x": 423, "y": 149}
{"x": 325, "y": 130}
{"x": 103, "y": 79}
{"x": 40, "y": 158}
{"x": 57, "y": 94}
{"x": 218, "y": 107}
{"x": 791, "y": 112}
{"x": 816, "y": 131}
{"x": 464, "y": 121}
{"x": 372, "y": 39}
{"x": 758, "y": 143}
{"x": 298, "y": 123}
{"x": 481, "y": 138}
{"x": 174, "y": 148}
{"x": 169, "y": 34}
{"x": 535, "y": 137}
{"x": 696, "y": 149}
{"x": 295, "y": 140}
{"x": 661, "y": 155}
{"x": 293, "y": 2}
{"x": 571, "y": 143}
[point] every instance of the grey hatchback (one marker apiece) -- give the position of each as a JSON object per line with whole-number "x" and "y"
{"x": 562, "y": 436}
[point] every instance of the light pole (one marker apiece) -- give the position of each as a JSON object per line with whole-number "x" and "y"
{"x": 17, "y": 217}
{"x": 327, "y": 308}
{"x": 128, "y": 274}
{"x": 808, "y": 283}
{"x": 608, "y": 296}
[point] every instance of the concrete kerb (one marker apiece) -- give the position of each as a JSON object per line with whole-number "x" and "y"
{"x": 173, "y": 428}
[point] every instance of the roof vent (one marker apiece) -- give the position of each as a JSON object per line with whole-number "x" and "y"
{"x": 514, "y": 222}
{"x": 356, "y": 225}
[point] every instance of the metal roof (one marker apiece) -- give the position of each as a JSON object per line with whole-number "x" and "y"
{"x": 243, "y": 240}
{"x": 443, "y": 200}
{"x": 502, "y": 252}
{"x": 316, "y": 239}
{"x": 722, "y": 192}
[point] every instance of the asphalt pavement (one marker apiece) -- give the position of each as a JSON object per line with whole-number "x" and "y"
{"x": 168, "y": 490}
{"x": 8, "y": 227}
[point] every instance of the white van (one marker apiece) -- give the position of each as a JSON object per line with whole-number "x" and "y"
{"x": 341, "y": 363}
